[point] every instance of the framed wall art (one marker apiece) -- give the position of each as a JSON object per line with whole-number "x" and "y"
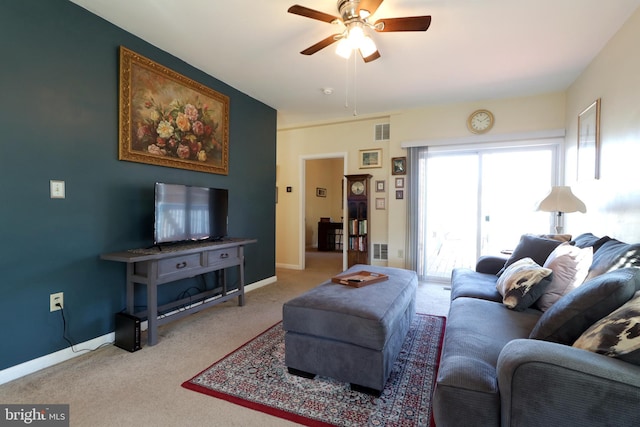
{"x": 380, "y": 186}
{"x": 371, "y": 158}
{"x": 399, "y": 166}
{"x": 589, "y": 142}
{"x": 380, "y": 203}
{"x": 399, "y": 182}
{"x": 167, "y": 119}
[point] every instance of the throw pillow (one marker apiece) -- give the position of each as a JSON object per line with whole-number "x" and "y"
{"x": 534, "y": 247}
{"x": 559, "y": 237}
{"x": 522, "y": 283}
{"x": 572, "y": 314}
{"x": 614, "y": 254}
{"x": 617, "y": 335}
{"x": 570, "y": 265}
{"x": 588, "y": 239}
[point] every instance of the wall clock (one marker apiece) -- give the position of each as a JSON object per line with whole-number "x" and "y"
{"x": 480, "y": 121}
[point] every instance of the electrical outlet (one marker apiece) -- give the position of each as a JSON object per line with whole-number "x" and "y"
{"x": 54, "y": 300}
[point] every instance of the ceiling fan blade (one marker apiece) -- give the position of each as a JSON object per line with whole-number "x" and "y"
{"x": 321, "y": 45}
{"x": 369, "y": 5}
{"x": 375, "y": 55}
{"x": 310, "y": 13}
{"x": 411, "y": 23}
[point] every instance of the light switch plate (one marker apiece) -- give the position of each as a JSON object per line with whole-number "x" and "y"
{"x": 57, "y": 189}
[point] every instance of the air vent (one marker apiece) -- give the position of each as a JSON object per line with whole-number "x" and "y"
{"x": 380, "y": 251}
{"x": 383, "y": 132}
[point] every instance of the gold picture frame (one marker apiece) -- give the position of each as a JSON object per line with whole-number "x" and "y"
{"x": 589, "y": 142}
{"x": 371, "y": 158}
{"x": 167, "y": 119}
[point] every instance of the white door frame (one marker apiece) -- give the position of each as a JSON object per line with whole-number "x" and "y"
{"x": 303, "y": 198}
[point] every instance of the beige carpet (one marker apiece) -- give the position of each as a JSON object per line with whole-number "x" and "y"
{"x": 112, "y": 387}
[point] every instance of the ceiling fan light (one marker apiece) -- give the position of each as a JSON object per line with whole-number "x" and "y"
{"x": 356, "y": 36}
{"x": 344, "y": 48}
{"x": 367, "y": 47}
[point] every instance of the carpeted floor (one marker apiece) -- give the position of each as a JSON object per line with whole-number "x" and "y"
{"x": 111, "y": 387}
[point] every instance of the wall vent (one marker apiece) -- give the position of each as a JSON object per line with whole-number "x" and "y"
{"x": 383, "y": 131}
{"x": 380, "y": 251}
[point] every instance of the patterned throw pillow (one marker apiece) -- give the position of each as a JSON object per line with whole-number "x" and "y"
{"x": 522, "y": 283}
{"x": 617, "y": 335}
{"x": 570, "y": 266}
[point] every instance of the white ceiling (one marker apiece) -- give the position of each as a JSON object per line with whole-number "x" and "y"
{"x": 474, "y": 50}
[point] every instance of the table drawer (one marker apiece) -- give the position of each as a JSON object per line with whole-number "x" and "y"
{"x": 223, "y": 257}
{"x": 179, "y": 265}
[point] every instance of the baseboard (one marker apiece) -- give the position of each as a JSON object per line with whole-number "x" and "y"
{"x": 51, "y": 359}
{"x": 46, "y": 361}
{"x": 290, "y": 266}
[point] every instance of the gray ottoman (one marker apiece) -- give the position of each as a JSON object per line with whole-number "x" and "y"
{"x": 350, "y": 334}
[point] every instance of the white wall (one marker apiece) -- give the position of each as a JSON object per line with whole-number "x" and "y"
{"x": 534, "y": 113}
{"x": 613, "y": 201}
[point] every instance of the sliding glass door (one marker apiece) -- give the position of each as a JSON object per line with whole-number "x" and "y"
{"x": 480, "y": 202}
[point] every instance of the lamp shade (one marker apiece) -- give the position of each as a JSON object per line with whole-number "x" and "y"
{"x": 561, "y": 199}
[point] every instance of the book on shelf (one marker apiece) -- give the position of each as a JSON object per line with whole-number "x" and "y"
{"x": 358, "y": 226}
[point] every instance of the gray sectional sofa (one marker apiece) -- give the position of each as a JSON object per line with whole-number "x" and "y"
{"x": 518, "y": 367}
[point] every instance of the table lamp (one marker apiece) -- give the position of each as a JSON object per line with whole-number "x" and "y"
{"x": 561, "y": 200}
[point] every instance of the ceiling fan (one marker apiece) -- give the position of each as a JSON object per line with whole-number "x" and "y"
{"x": 354, "y": 17}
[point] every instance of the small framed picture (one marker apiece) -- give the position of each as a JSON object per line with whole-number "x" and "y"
{"x": 321, "y": 192}
{"x": 380, "y": 186}
{"x": 399, "y": 194}
{"x": 399, "y": 182}
{"x": 399, "y": 166}
{"x": 380, "y": 203}
{"x": 371, "y": 158}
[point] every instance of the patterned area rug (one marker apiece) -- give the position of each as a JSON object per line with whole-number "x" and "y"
{"x": 255, "y": 376}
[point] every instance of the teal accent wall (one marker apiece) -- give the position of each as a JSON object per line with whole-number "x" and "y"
{"x": 59, "y": 120}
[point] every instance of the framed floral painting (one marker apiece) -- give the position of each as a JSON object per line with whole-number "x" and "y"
{"x": 170, "y": 120}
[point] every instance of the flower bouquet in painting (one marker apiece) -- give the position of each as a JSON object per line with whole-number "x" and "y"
{"x": 181, "y": 130}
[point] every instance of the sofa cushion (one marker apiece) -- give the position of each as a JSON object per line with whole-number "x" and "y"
{"x": 534, "y": 247}
{"x": 614, "y": 254}
{"x": 467, "y": 383}
{"x": 570, "y": 265}
{"x": 522, "y": 283}
{"x": 616, "y": 335}
{"x": 586, "y": 240}
{"x": 468, "y": 283}
{"x": 575, "y": 312}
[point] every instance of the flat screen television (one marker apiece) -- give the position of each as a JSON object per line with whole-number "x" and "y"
{"x": 188, "y": 213}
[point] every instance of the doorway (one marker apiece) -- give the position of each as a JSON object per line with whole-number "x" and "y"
{"x": 323, "y": 201}
{"x": 479, "y": 202}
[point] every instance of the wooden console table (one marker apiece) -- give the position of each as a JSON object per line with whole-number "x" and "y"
{"x": 159, "y": 265}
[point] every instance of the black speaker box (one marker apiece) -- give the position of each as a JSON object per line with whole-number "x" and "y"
{"x": 127, "y": 332}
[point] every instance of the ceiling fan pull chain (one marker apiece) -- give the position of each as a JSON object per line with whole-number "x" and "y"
{"x": 355, "y": 85}
{"x": 346, "y": 83}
